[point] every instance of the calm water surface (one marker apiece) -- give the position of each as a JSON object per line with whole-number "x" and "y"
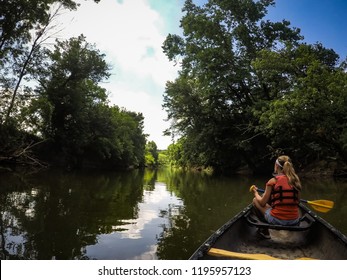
{"x": 147, "y": 214}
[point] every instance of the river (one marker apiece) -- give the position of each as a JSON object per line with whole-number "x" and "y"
{"x": 147, "y": 214}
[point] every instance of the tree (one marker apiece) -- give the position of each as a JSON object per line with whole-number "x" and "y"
{"x": 116, "y": 138}
{"x": 70, "y": 89}
{"x": 72, "y": 111}
{"x": 24, "y": 26}
{"x": 152, "y": 154}
{"x": 309, "y": 117}
{"x": 211, "y": 100}
{"x": 250, "y": 89}
{"x": 68, "y": 109}
{"x": 176, "y": 155}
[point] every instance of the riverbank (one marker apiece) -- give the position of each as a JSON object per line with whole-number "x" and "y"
{"x": 324, "y": 168}
{"x": 319, "y": 169}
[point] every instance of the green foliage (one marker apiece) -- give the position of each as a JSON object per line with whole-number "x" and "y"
{"x": 24, "y": 26}
{"x": 81, "y": 124}
{"x": 309, "y": 117}
{"x": 176, "y": 155}
{"x": 152, "y": 154}
{"x": 18, "y": 18}
{"x": 150, "y": 161}
{"x": 163, "y": 158}
{"x": 63, "y": 104}
{"x": 116, "y": 137}
{"x": 249, "y": 88}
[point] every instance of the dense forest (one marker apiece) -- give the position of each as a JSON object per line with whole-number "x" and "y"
{"x": 250, "y": 89}
{"x": 53, "y": 110}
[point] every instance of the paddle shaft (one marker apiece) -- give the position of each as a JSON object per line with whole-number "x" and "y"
{"x": 244, "y": 256}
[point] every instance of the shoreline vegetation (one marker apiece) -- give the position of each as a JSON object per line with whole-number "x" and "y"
{"x": 320, "y": 169}
{"x": 155, "y": 158}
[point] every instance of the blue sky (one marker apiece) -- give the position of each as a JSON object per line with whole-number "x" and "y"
{"x": 131, "y": 33}
{"x": 322, "y": 21}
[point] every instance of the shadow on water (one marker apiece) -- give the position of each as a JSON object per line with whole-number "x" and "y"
{"x": 149, "y": 214}
{"x": 55, "y": 215}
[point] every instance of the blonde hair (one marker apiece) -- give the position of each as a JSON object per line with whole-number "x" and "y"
{"x": 285, "y": 163}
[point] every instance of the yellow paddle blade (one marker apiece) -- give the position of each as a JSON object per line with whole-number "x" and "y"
{"x": 244, "y": 256}
{"x": 323, "y": 206}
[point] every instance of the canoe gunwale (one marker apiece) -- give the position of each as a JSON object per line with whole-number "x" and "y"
{"x": 203, "y": 249}
{"x": 240, "y": 217}
{"x": 329, "y": 227}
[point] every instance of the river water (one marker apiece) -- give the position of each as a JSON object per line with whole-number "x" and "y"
{"x": 147, "y": 214}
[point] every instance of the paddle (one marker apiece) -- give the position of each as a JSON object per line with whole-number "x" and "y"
{"x": 318, "y": 205}
{"x": 244, "y": 256}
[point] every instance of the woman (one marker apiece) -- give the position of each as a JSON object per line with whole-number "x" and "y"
{"x": 280, "y": 202}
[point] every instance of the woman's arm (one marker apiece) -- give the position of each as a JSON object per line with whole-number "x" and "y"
{"x": 266, "y": 196}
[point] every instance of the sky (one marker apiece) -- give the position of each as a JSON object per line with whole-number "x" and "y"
{"x": 322, "y": 21}
{"x": 131, "y": 33}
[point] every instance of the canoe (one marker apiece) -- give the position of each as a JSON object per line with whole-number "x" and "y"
{"x": 313, "y": 238}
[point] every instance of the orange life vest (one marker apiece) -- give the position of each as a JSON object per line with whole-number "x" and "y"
{"x": 284, "y": 199}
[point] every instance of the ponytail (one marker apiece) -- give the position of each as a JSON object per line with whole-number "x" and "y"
{"x": 289, "y": 171}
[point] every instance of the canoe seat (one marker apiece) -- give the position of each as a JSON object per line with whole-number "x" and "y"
{"x": 305, "y": 223}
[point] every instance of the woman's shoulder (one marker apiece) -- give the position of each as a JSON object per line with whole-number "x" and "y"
{"x": 271, "y": 182}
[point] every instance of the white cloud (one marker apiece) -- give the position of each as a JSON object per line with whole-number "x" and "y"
{"x": 153, "y": 202}
{"x": 131, "y": 34}
{"x": 146, "y": 226}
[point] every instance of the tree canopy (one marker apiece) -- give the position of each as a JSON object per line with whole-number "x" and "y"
{"x": 250, "y": 88}
{"x": 53, "y": 96}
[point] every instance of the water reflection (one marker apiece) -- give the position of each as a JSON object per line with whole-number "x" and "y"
{"x": 148, "y": 214}
{"x": 136, "y": 238}
{"x": 57, "y": 215}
